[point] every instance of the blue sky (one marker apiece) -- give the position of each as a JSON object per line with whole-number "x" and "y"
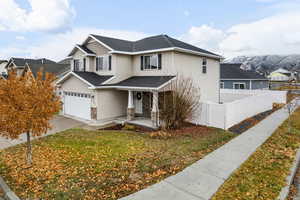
{"x": 43, "y": 28}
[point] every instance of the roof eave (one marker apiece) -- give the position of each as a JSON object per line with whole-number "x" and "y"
{"x": 168, "y": 49}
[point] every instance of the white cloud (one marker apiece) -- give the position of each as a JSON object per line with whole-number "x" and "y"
{"x": 278, "y": 34}
{"x": 273, "y": 35}
{"x": 204, "y": 36}
{"x": 20, "y": 37}
{"x": 59, "y": 45}
{"x": 44, "y": 15}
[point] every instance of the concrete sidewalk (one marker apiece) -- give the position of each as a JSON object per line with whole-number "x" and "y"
{"x": 202, "y": 179}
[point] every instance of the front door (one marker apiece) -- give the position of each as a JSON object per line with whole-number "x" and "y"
{"x": 138, "y": 102}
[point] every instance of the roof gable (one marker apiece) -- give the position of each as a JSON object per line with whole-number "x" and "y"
{"x": 147, "y": 44}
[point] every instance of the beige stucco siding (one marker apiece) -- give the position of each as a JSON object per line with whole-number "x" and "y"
{"x": 167, "y": 66}
{"x": 121, "y": 67}
{"x": 191, "y": 66}
{"x": 73, "y": 84}
{"x": 187, "y": 65}
{"x": 111, "y": 103}
{"x": 97, "y": 48}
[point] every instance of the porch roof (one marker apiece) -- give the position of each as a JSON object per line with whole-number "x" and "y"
{"x": 141, "y": 82}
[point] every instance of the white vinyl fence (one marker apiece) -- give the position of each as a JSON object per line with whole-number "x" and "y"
{"x": 230, "y": 113}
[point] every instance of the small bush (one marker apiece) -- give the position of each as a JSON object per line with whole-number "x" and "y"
{"x": 179, "y": 105}
{"x": 128, "y": 127}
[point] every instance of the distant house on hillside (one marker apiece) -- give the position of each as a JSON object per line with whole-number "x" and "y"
{"x": 22, "y": 65}
{"x": 282, "y": 75}
{"x": 233, "y": 77}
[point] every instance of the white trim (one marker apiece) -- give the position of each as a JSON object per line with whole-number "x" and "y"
{"x": 108, "y": 80}
{"x": 166, "y": 49}
{"x": 105, "y": 45}
{"x": 135, "y": 88}
{"x": 144, "y": 62}
{"x": 126, "y": 88}
{"x": 168, "y": 82}
{"x": 78, "y": 47}
{"x": 72, "y": 73}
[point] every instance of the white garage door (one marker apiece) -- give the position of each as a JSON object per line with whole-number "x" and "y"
{"x": 77, "y": 104}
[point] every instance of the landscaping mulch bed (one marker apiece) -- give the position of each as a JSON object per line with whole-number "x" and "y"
{"x": 135, "y": 128}
{"x": 250, "y": 122}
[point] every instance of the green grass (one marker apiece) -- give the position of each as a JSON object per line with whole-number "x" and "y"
{"x": 81, "y": 164}
{"x": 263, "y": 175}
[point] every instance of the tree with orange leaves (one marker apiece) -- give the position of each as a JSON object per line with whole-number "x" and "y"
{"x": 27, "y": 104}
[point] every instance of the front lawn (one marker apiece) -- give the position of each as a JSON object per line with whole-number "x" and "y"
{"x": 81, "y": 164}
{"x": 263, "y": 175}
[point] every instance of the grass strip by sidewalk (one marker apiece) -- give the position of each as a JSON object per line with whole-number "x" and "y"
{"x": 263, "y": 175}
{"x": 106, "y": 165}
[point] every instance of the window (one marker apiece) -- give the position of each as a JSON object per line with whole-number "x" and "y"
{"x": 204, "y": 65}
{"x": 151, "y": 62}
{"x": 76, "y": 65}
{"x": 239, "y": 86}
{"x": 79, "y": 65}
{"x": 222, "y": 85}
{"x": 103, "y": 63}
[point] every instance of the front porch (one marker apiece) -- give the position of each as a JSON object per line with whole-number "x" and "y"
{"x": 143, "y": 108}
{"x": 139, "y": 121}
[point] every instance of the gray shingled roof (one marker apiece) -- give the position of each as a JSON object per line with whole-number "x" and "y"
{"x": 85, "y": 49}
{"x": 233, "y": 71}
{"x": 56, "y": 69}
{"x": 2, "y": 61}
{"x": 23, "y": 61}
{"x": 150, "y": 43}
{"x": 143, "y": 81}
{"x": 93, "y": 78}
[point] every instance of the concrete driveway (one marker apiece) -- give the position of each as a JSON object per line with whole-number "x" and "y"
{"x": 59, "y": 123}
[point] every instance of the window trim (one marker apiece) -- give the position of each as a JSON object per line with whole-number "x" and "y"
{"x": 158, "y": 62}
{"x": 108, "y": 62}
{"x": 239, "y": 83}
{"x": 76, "y": 68}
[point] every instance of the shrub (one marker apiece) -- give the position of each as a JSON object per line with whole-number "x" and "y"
{"x": 179, "y": 105}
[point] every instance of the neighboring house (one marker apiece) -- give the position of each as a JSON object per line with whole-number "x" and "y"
{"x": 111, "y": 78}
{"x": 233, "y": 77}
{"x": 282, "y": 75}
{"x": 3, "y": 71}
{"x": 22, "y": 65}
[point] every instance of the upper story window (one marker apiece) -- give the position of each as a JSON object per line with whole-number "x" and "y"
{"x": 204, "y": 65}
{"x": 79, "y": 65}
{"x": 103, "y": 63}
{"x": 151, "y": 62}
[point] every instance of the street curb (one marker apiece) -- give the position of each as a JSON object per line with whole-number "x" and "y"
{"x": 289, "y": 180}
{"x": 8, "y": 193}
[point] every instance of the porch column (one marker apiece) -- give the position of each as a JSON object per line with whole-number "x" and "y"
{"x": 130, "y": 108}
{"x": 155, "y": 110}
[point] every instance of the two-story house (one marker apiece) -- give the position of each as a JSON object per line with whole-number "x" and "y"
{"x": 112, "y": 77}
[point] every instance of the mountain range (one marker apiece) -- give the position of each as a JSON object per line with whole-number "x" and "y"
{"x": 267, "y": 63}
